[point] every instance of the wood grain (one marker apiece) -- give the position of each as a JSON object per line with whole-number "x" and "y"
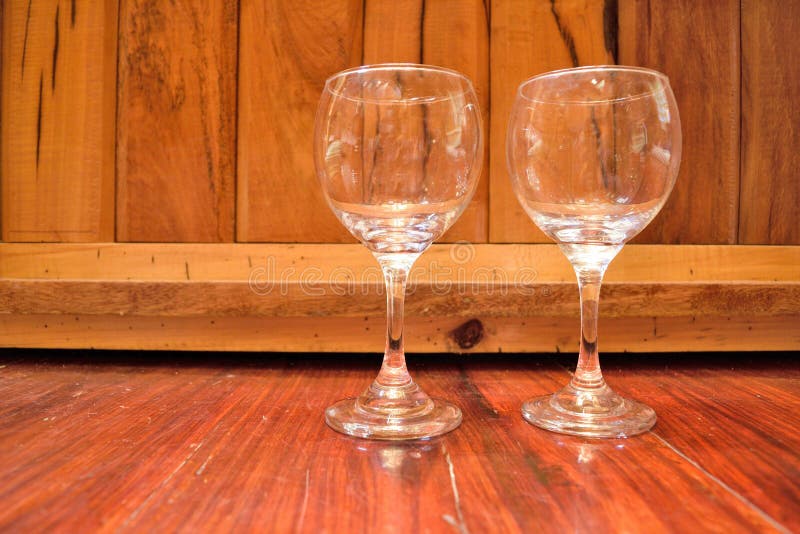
{"x": 393, "y": 31}
{"x": 476, "y": 334}
{"x": 287, "y": 49}
{"x": 195, "y": 443}
{"x": 656, "y": 381}
{"x": 322, "y": 298}
{"x": 341, "y": 281}
{"x": 528, "y": 38}
{"x": 696, "y": 44}
{"x": 770, "y": 191}
{"x": 57, "y": 141}
{"x": 232, "y": 262}
{"x": 176, "y": 121}
{"x": 455, "y": 34}
{"x": 759, "y": 460}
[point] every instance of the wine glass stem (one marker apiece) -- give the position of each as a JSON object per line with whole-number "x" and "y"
{"x": 587, "y": 373}
{"x": 393, "y": 371}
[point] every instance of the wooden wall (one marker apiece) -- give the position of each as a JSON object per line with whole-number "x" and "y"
{"x": 141, "y": 120}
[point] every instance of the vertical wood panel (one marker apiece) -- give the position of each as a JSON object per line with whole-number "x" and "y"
{"x": 449, "y": 33}
{"x": 528, "y": 38}
{"x": 697, "y": 45}
{"x": 393, "y": 31}
{"x": 176, "y": 121}
{"x": 455, "y": 34}
{"x": 287, "y": 50}
{"x": 58, "y": 94}
{"x": 770, "y": 188}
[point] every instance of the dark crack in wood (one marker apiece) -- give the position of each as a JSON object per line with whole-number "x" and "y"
{"x": 565, "y": 35}
{"x": 611, "y": 28}
{"x": 422, "y": 33}
{"x": 39, "y": 120}
{"x": 55, "y": 49}
{"x": 25, "y": 41}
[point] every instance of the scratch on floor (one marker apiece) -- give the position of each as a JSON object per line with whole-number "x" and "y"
{"x": 764, "y": 515}
{"x": 135, "y": 513}
{"x": 459, "y": 523}
{"x": 203, "y": 467}
{"x": 305, "y": 503}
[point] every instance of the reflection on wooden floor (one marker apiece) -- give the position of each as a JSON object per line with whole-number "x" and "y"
{"x": 222, "y": 442}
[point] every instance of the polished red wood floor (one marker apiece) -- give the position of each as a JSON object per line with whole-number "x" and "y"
{"x": 224, "y": 442}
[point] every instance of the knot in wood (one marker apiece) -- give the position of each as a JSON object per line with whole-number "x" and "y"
{"x": 468, "y": 334}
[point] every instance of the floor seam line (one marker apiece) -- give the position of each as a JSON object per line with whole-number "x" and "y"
{"x": 741, "y": 498}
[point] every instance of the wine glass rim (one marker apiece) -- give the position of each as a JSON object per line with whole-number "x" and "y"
{"x": 410, "y": 67}
{"x": 598, "y": 68}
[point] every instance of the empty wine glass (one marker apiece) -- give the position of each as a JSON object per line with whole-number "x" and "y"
{"x": 593, "y": 154}
{"x": 398, "y": 150}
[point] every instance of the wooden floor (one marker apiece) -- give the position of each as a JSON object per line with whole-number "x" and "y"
{"x": 224, "y": 442}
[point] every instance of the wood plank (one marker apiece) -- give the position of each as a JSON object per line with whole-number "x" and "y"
{"x": 58, "y": 99}
{"x": 393, "y": 31}
{"x": 199, "y": 444}
{"x": 528, "y": 38}
{"x": 478, "y": 334}
{"x": 309, "y": 297}
{"x": 702, "y": 61}
{"x": 451, "y": 34}
{"x": 213, "y": 262}
{"x": 176, "y": 131}
{"x": 758, "y": 457}
{"x": 344, "y": 281}
{"x": 657, "y": 381}
{"x": 769, "y": 205}
{"x": 287, "y": 49}
{"x": 455, "y": 34}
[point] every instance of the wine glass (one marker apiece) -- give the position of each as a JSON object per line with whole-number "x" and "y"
{"x": 398, "y": 150}
{"x": 593, "y": 154}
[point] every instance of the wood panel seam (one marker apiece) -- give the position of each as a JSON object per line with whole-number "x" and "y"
{"x": 696, "y": 465}
{"x": 765, "y": 516}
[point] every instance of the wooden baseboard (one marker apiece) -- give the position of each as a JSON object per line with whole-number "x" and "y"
{"x": 423, "y": 334}
{"x": 484, "y": 298}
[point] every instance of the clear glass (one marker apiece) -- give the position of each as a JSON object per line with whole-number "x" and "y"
{"x": 593, "y": 154}
{"x": 398, "y": 150}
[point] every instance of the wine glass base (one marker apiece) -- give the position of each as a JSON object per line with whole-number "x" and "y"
{"x": 619, "y": 418}
{"x": 348, "y": 418}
